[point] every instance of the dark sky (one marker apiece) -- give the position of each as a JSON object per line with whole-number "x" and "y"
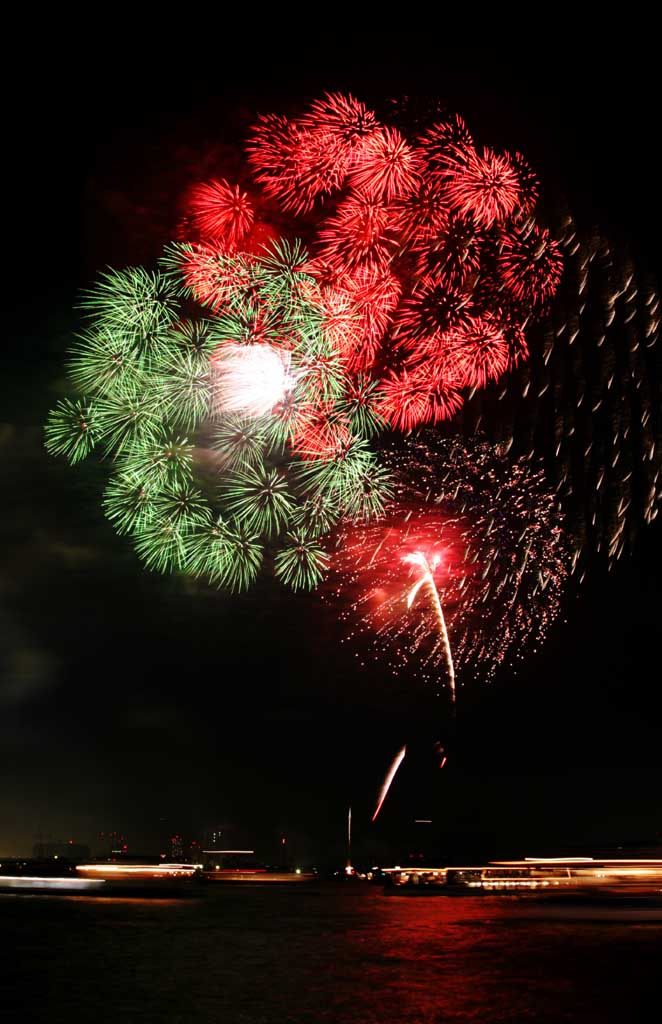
{"x": 127, "y": 698}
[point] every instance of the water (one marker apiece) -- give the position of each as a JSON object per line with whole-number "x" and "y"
{"x": 344, "y": 954}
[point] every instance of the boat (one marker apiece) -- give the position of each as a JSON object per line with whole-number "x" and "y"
{"x": 57, "y": 877}
{"x": 258, "y": 876}
{"x": 574, "y": 882}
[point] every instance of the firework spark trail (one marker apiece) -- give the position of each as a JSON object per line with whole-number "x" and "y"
{"x": 589, "y": 393}
{"x": 427, "y": 567}
{"x": 488, "y": 526}
{"x": 390, "y": 775}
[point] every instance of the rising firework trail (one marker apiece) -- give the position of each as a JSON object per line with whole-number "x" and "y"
{"x": 390, "y": 775}
{"x": 426, "y": 579}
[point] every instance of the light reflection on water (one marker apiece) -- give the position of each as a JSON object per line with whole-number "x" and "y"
{"x": 323, "y": 953}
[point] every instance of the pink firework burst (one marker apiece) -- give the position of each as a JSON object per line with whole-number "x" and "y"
{"x": 212, "y": 275}
{"x": 341, "y": 319}
{"x": 321, "y": 433}
{"x": 375, "y": 294}
{"x": 221, "y": 212}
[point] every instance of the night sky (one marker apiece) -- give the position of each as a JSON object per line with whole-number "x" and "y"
{"x": 148, "y": 704}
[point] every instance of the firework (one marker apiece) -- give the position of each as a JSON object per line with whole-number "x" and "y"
{"x": 390, "y": 775}
{"x": 235, "y": 390}
{"x": 427, "y": 566}
{"x": 251, "y": 379}
{"x": 71, "y": 429}
{"x": 340, "y": 119}
{"x": 229, "y": 438}
{"x": 486, "y": 188}
{"x": 295, "y": 166}
{"x": 474, "y": 534}
{"x": 221, "y": 212}
{"x": 424, "y": 394}
{"x": 302, "y": 562}
{"x": 385, "y": 166}
{"x": 477, "y": 352}
{"x": 361, "y": 234}
{"x": 530, "y": 264}
{"x": 135, "y": 304}
{"x": 587, "y": 399}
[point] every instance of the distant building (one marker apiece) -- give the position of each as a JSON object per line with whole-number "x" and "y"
{"x": 194, "y": 852}
{"x": 214, "y": 838}
{"x": 113, "y": 845}
{"x": 61, "y": 849}
{"x": 176, "y": 849}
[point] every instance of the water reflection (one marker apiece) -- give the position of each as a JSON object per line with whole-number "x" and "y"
{"x": 342, "y": 954}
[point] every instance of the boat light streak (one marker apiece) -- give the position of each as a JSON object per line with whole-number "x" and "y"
{"x": 141, "y": 870}
{"x": 228, "y": 851}
{"x": 22, "y": 881}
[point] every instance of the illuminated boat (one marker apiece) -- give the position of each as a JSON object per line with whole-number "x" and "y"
{"x": 163, "y": 880}
{"x": 258, "y": 876}
{"x": 98, "y": 879}
{"x": 567, "y": 879}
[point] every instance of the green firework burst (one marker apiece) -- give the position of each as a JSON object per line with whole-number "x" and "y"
{"x": 259, "y": 499}
{"x": 301, "y": 563}
{"x": 71, "y": 429}
{"x": 207, "y": 476}
{"x": 135, "y": 303}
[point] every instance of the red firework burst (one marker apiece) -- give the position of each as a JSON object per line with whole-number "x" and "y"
{"x": 221, "y": 212}
{"x": 341, "y": 119}
{"x": 295, "y": 166}
{"x": 360, "y": 234}
{"x": 451, "y": 255}
{"x": 479, "y": 352}
{"x": 529, "y": 186}
{"x": 530, "y": 263}
{"x": 421, "y": 214}
{"x": 441, "y": 144}
{"x": 321, "y": 434}
{"x": 341, "y": 319}
{"x": 486, "y": 187}
{"x": 418, "y": 396}
{"x": 428, "y": 267}
{"x": 212, "y": 275}
{"x": 429, "y": 314}
{"x": 385, "y": 166}
{"x": 375, "y": 295}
